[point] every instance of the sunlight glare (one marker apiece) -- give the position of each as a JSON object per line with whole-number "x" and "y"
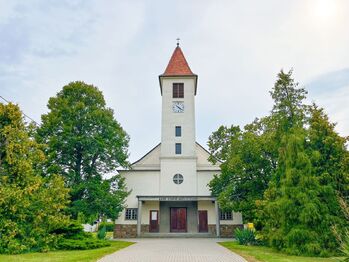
{"x": 324, "y": 10}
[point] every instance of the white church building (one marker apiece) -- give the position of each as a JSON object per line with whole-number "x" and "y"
{"x": 169, "y": 185}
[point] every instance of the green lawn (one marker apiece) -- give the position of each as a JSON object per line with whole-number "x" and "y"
{"x": 265, "y": 254}
{"x": 67, "y": 256}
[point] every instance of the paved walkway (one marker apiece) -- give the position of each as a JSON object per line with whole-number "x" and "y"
{"x": 174, "y": 250}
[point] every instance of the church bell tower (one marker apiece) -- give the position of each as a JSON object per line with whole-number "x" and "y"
{"x": 178, "y": 86}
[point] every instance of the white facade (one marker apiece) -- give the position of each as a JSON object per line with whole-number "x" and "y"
{"x": 170, "y": 119}
{"x": 162, "y": 205}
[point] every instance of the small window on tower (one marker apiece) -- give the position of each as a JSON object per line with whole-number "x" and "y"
{"x": 178, "y": 90}
{"x": 178, "y": 148}
{"x": 178, "y": 131}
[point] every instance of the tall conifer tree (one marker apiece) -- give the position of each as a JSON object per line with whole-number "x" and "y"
{"x": 296, "y": 217}
{"x": 329, "y": 154}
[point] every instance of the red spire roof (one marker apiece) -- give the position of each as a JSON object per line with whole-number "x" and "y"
{"x": 178, "y": 66}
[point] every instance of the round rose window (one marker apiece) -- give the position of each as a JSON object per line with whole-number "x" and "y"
{"x": 178, "y": 179}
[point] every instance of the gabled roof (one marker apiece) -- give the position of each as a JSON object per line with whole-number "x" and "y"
{"x": 178, "y": 65}
{"x": 151, "y": 161}
{"x": 152, "y": 151}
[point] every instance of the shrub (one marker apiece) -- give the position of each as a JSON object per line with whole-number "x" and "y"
{"x": 73, "y": 237}
{"x": 73, "y": 230}
{"x": 81, "y": 244}
{"x": 344, "y": 248}
{"x": 102, "y": 232}
{"x": 245, "y": 236}
{"x": 109, "y": 226}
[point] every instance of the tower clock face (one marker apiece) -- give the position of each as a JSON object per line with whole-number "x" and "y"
{"x": 178, "y": 107}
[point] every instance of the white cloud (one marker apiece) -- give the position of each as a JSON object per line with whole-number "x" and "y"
{"x": 336, "y": 106}
{"x": 236, "y": 47}
{"x": 6, "y": 10}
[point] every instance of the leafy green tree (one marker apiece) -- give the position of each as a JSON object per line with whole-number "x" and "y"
{"x": 105, "y": 197}
{"x": 31, "y": 206}
{"x": 248, "y": 161}
{"x": 85, "y": 143}
{"x": 221, "y": 142}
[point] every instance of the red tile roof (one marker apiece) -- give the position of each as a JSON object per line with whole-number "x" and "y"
{"x": 178, "y": 66}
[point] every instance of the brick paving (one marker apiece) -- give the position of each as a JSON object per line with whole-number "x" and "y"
{"x": 174, "y": 250}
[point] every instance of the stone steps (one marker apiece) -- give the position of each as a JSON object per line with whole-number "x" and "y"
{"x": 177, "y": 235}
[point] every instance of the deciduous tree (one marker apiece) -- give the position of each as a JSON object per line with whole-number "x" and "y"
{"x": 85, "y": 143}
{"x": 30, "y": 206}
{"x": 248, "y": 158}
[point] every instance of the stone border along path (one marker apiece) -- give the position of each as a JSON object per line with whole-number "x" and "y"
{"x": 174, "y": 250}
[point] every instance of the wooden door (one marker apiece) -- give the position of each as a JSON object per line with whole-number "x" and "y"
{"x": 154, "y": 221}
{"x": 178, "y": 219}
{"x": 203, "y": 226}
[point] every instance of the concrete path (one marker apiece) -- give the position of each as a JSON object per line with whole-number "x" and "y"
{"x": 174, "y": 250}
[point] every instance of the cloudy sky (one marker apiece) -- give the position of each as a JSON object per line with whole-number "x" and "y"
{"x": 236, "y": 48}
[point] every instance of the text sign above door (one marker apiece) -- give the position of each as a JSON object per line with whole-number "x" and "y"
{"x": 178, "y": 198}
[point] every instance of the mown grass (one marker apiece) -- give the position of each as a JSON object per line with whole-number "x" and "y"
{"x": 265, "y": 254}
{"x": 67, "y": 256}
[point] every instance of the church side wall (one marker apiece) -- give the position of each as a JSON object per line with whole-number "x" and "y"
{"x": 146, "y": 207}
{"x": 140, "y": 183}
{"x": 237, "y": 220}
{"x": 203, "y": 178}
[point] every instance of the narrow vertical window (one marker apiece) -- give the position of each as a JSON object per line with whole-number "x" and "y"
{"x": 178, "y": 148}
{"x": 178, "y": 131}
{"x": 178, "y": 90}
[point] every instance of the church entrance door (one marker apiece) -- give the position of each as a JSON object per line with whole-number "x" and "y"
{"x": 178, "y": 219}
{"x": 154, "y": 221}
{"x": 203, "y": 226}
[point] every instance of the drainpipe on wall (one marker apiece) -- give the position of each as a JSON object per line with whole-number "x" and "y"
{"x": 217, "y": 219}
{"x": 139, "y": 218}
